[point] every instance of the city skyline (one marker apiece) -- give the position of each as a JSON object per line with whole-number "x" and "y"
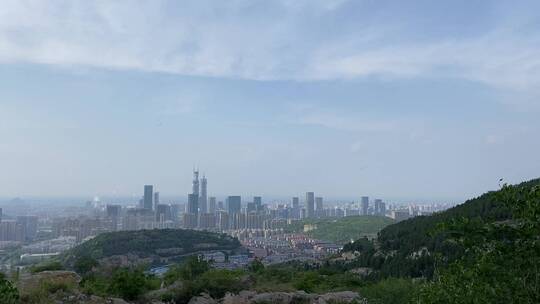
{"x": 412, "y": 100}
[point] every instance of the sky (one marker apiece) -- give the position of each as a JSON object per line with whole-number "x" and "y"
{"x": 404, "y": 100}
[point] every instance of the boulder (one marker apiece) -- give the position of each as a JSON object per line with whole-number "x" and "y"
{"x": 204, "y": 298}
{"x": 339, "y": 297}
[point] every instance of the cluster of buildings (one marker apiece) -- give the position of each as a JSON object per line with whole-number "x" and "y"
{"x": 204, "y": 212}
{"x": 23, "y": 228}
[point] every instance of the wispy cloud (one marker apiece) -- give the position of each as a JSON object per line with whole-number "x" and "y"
{"x": 240, "y": 39}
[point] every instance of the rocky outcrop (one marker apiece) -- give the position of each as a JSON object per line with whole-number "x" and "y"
{"x": 251, "y": 297}
{"x": 203, "y": 299}
{"x": 29, "y": 282}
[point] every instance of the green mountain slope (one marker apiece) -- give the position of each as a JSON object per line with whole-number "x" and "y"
{"x": 146, "y": 243}
{"x": 342, "y": 230}
{"x": 408, "y": 248}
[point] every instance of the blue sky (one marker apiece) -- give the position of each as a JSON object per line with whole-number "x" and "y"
{"x": 397, "y": 99}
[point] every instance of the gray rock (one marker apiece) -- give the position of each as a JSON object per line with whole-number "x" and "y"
{"x": 204, "y": 298}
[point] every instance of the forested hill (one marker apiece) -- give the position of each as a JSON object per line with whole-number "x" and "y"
{"x": 412, "y": 234}
{"x": 408, "y": 248}
{"x": 146, "y": 243}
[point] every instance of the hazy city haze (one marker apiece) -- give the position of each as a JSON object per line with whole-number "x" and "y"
{"x": 345, "y": 98}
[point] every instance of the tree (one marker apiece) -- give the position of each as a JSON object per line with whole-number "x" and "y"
{"x": 84, "y": 264}
{"x": 502, "y": 260}
{"x": 256, "y": 266}
{"x": 128, "y": 284}
{"x": 8, "y": 293}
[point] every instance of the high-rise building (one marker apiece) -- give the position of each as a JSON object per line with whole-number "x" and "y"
{"x": 163, "y": 213}
{"x": 203, "y": 202}
{"x": 365, "y": 205}
{"x": 195, "y": 185}
{"x": 310, "y": 204}
{"x": 29, "y": 225}
{"x": 223, "y": 220}
{"x": 147, "y": 199}
{"x": 295, "y": 202}
{"x": 11, "y": 230}
{"x": 156, "y": 200}
{"x": 319, "y": 203}
{"x": 234, "y": 204}
{"x": 193, "y": 204}
{"x": 113, "y": 214}
{"x": 176, "y": 209}
{"x": 257, "y": 200}
{"x": 251, "y": 207}
{"x": 378, "y": 206}
{"x": 211, "y": 204}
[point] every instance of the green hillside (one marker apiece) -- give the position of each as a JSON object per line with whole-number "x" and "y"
{"x": 342, "y": 230}
{"x": 401, "y": 240}
{"x": 146, "y": 243}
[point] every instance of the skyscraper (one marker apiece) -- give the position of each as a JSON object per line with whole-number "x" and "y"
{"x": 365, "y": 205}
{"x": 234, "y": 204}
{"x": 257, "y": 200}
{"x": 193, "y": 204}
{"x": 147, "y": 199}
{"x": 191, "y": 217}
{"x": 380, "y": 208}
{"x": 195, "y": 185}
{"x": 319, "y": 203}
{"x": 295, "y": 203}
{"x": 211, "y": 204}
{"x": 29, "y": 225}
{"x": 156, "y": 200}
{"x": 203, "y": 203}
{"x": 310, "y": 204}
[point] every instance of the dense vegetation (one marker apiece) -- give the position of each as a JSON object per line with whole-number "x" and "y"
{"x": 194, "y": 277}
{"x": 409, "y": 248}
{"x": 8, "y": 293}
{"x": 502, "y": 260}
{"x": 145, "y": 243}
{"x": 342, "y": 230}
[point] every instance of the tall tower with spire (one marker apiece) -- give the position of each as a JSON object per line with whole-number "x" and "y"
{"x": 203, "y": 204}
{"x": 195, "y": 182}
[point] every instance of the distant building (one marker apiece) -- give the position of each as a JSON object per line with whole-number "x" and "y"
{"x": 295, "y": 202}
{"x": 29, "y": 225}
{"x": 163, "y": 213}
{"x": 147, "y": 198}
{"x": 207, "y": 221}
{"x": 11, "y": 230}
{"x": 212, "y": 204}
{"x": 156, "y": 200}
{"x": 400, "y": 215}
{"x": 365, "y": 205}
{"x": 310, "y": 204}
{"x": 176, "y": 209}
{"x": 113, "y": 214}
{"x": 380, "y": 208}
{"x": 251, "y": 207}
{"x": 257, "y": 200}
{"x": 222, "y": 220}
{"x": 193, "y": 204}
{"x": 203, "y": 200}
{"x": 234, "y": 204}
{"x": 195, "y": 184}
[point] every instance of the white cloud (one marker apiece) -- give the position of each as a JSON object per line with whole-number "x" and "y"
{"x": 252, "y": 40}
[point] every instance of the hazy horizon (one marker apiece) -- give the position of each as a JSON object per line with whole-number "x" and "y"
{"x": 344, "y": 98}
